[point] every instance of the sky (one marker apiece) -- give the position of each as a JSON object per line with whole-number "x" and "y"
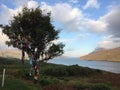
{"x": 85, "y": 25}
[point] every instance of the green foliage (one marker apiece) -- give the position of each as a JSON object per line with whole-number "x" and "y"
{"x": 56, "y": 71}
{"x": 24, "y": 73}
{"x": 17, "y": 78}
{"x": 11, "y": 83}
{"x": 76, "y": 70}
{"x": 44, "y": 81}
{"x": 81, "y": 86}
{"x": 73, "y": 70}
{"x": 100, "y": 86}
{"x": 7, "y": 61}
{"x": 32, "y": 30}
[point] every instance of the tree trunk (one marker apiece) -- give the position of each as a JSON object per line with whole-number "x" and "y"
{"x": 34, "y": 67}
{"x": 36, "y": 70}
{"x": 23, "y": 56}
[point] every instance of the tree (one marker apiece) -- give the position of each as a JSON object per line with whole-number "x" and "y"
{"x": 31, "y": 31}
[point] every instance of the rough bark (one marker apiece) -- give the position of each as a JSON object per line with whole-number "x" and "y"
{"x": 36, "y": 70}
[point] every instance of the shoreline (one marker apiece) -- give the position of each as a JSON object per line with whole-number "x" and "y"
{"x": 102, "y": 60}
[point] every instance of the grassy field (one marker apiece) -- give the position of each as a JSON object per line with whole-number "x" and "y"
{"x": 56, "y": 77}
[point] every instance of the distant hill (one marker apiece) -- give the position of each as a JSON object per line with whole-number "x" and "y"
{"x": 107, "y": 55}
{"x": 98, "y": 49}
{"x": 11, "y": 53}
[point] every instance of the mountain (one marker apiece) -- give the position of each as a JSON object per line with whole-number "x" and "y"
{"x": 11, "y": 53}
{"x": 107, "y": 55}
{"x": 98, "y": 49}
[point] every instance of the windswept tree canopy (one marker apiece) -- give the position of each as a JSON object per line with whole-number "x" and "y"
{"x": 32, "y": 31}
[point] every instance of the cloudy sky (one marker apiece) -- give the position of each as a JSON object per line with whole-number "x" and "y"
{"x": 85, "y": 24}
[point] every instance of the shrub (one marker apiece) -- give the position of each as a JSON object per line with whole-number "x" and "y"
{"x": 81, "y": 86}
{"x": 57, "y": 71}
{"x": 24, "y": 74}
{"x": 76, "y": 70}
{"x": 73, "y": 70}
{"x": 47, "y": 81}
{"x": 100, "y": 87}
{"x": 44, "y": 82}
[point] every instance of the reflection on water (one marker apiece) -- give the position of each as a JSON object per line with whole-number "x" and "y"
{"x": 103, "y": 65}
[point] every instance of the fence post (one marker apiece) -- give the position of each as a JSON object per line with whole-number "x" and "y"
{"x": 3, "y": 78}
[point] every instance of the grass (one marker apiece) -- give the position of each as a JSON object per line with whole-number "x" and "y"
{"x": 12, "y": 83}
{"x": 56, "y": 77}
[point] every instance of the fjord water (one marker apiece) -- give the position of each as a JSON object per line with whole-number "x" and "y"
{"x": 102, "y": 65}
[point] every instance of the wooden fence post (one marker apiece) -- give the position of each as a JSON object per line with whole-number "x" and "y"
{"x": 3, "y": 78}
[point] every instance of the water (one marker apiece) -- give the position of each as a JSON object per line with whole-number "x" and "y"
{"x": 102, "y": 65}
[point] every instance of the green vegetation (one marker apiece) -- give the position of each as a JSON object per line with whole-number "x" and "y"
{"x": 56, "y": 77}
{"x": 12, "y": 83}
{"x": 33, "y": 32}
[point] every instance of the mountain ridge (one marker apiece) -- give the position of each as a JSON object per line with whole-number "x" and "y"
{"x": 12, "y": 53}
{"x": 104, "y": 55}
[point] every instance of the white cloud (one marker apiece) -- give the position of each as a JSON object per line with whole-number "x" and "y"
{"x": 73, "y": 19}
{"x": 70, "y": 17}
{"x": 108, "y": 42}
{"x": 19, "y": 3}
{"x": 72, "y": 39}
{"x": 3, "y": 39}
{"x": 74, "y": 1}
{"x": 98, "y": 26}
{"x": 65, "y": 40}
{"x": 91, "y": 4}
{"x": 113, "y": 21}
{"x": 28, "y": 3}
{"x": 6, "y": 14}
{"x": 108, "y": 24}
{"x": 32, "y": 4}
{"x": 113, "y": 29}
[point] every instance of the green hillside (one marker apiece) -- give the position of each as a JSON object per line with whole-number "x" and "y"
{"x": 56, "y": 77}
